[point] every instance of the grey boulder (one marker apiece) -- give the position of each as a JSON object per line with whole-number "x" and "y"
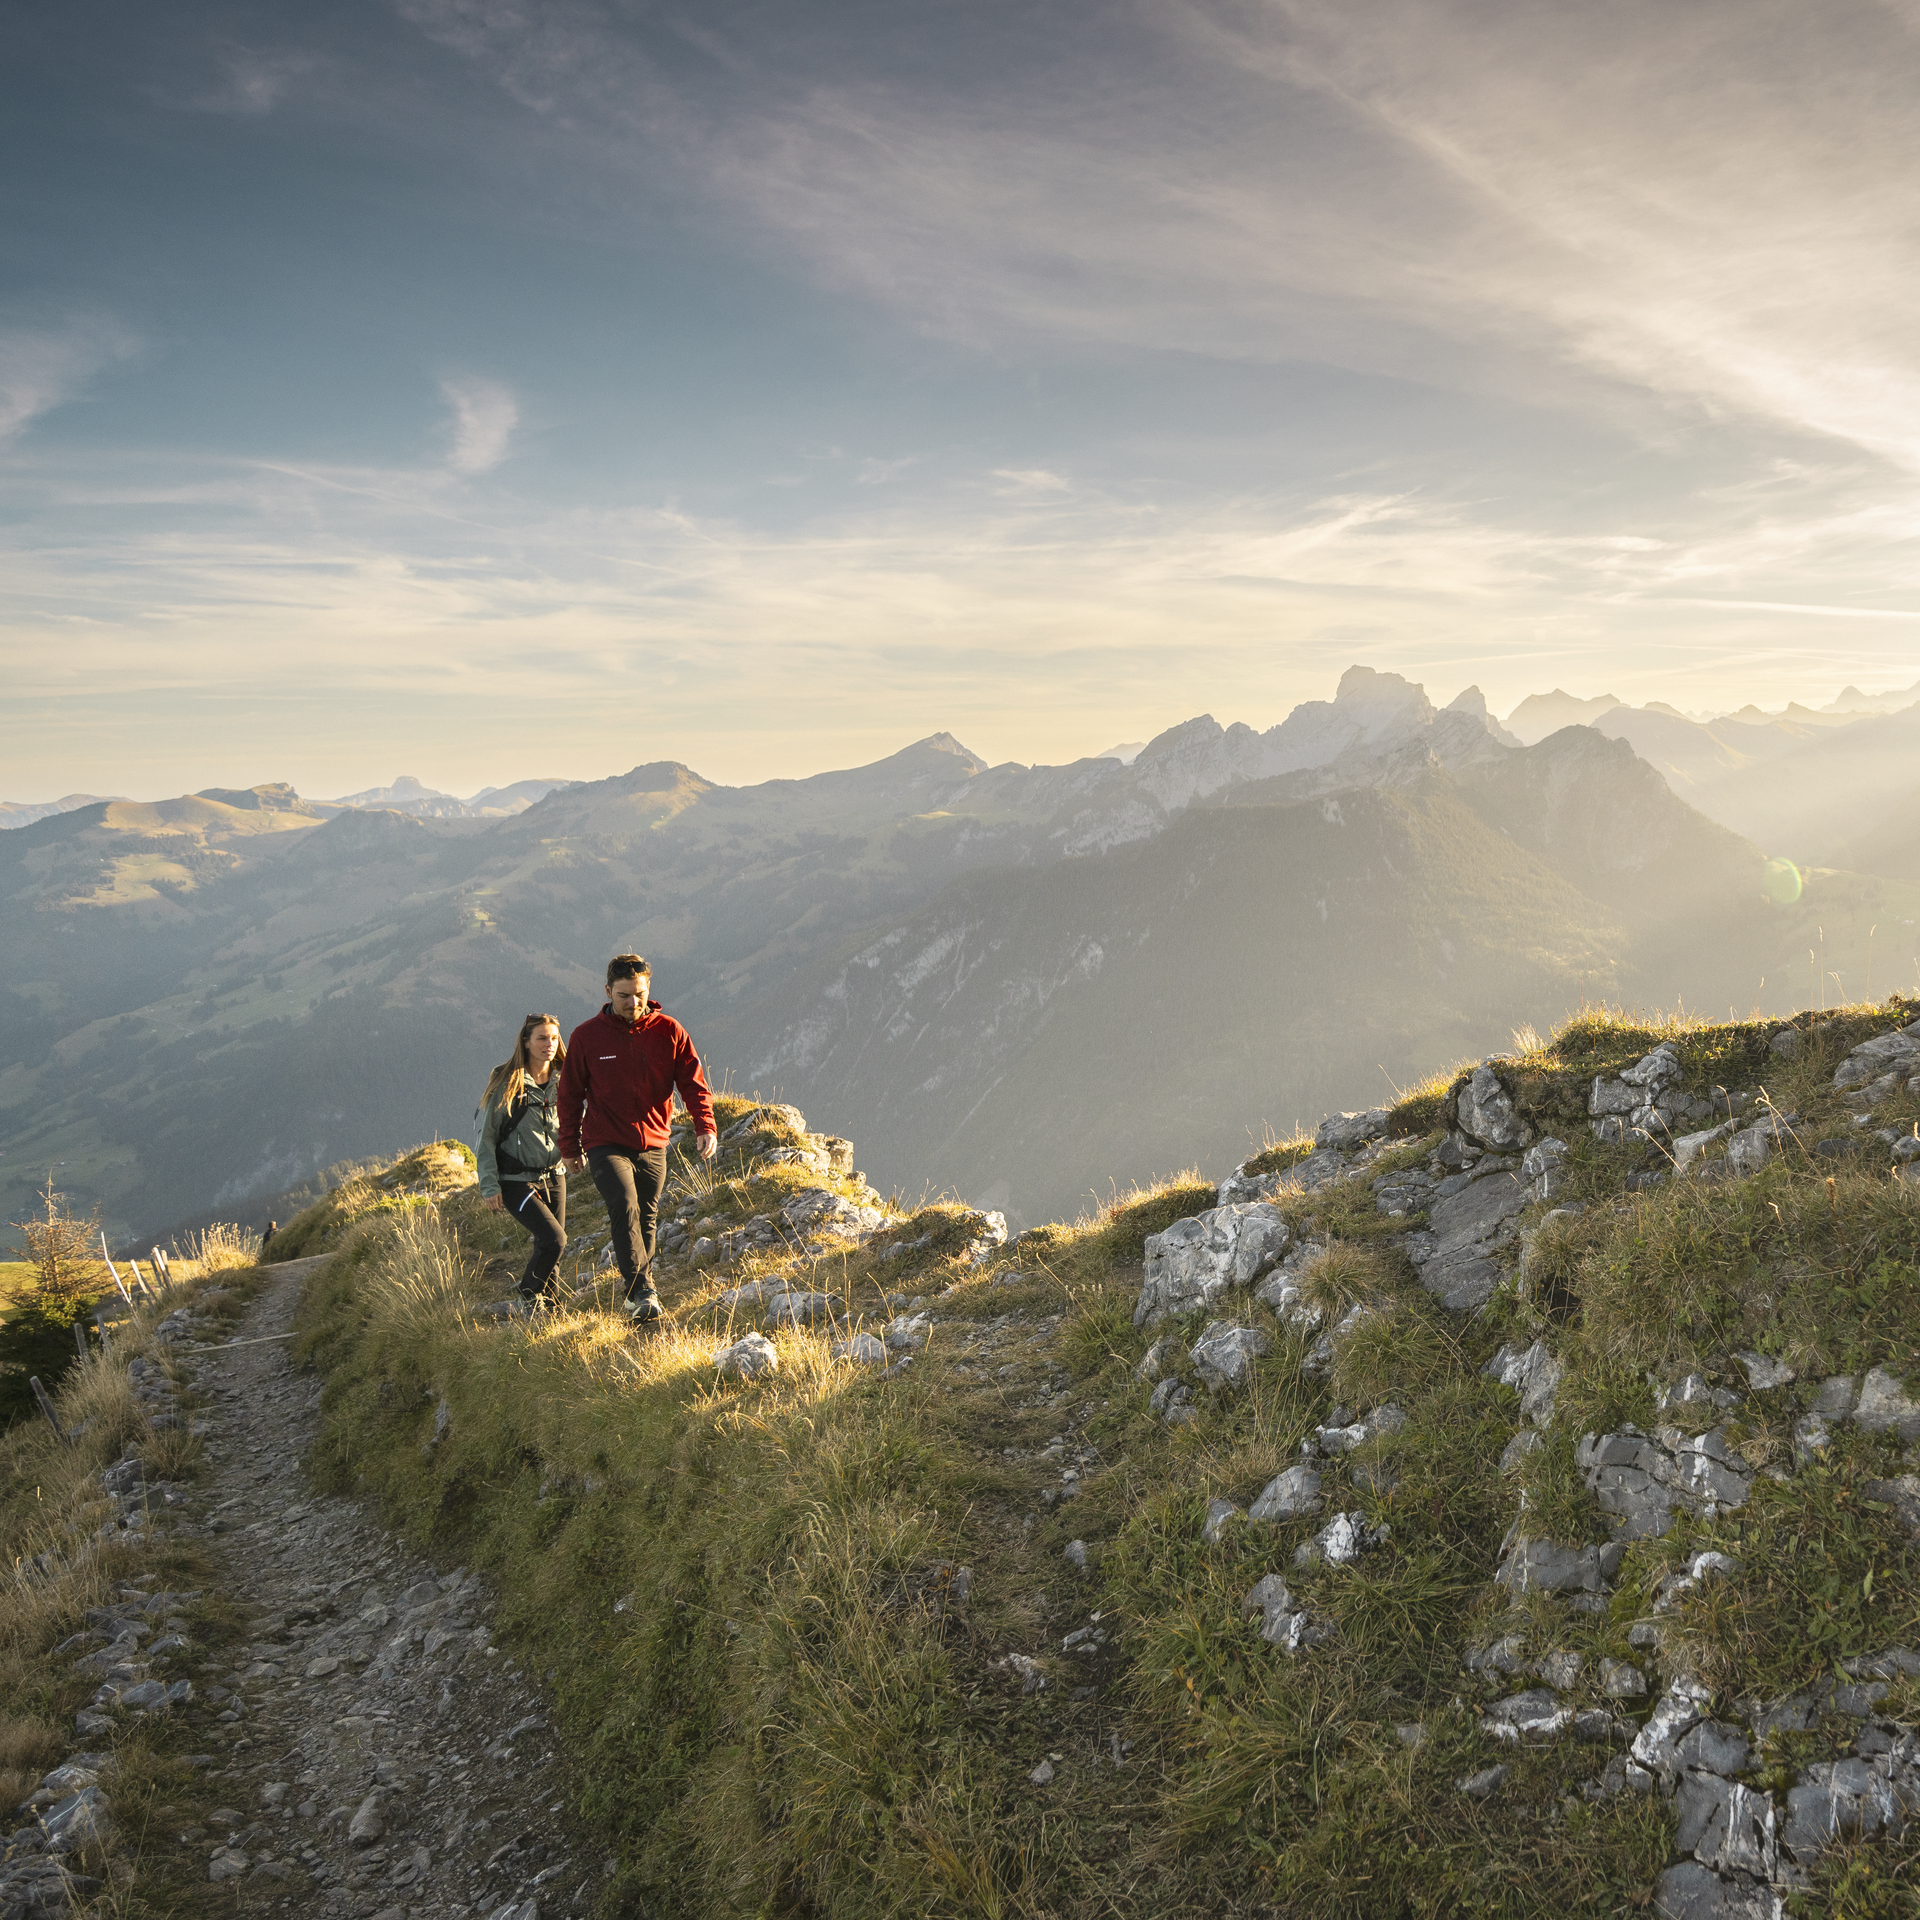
{"x": 1224, "y": 1354}
{"x": 1456, "y": 1257}
{"x": 1341, "y": 1541}
{"x": 1288, "y": 1496}
{"x": 1622, "y": 1680}
{"x": 1196, "y": 1260}
{"x": 1283, "y": 1621}
{"x": 1675, "y": 1714}
{"x": 80, "y": 1820}
{"x": 1219, "y": 1512}
{"x": 1750, "y": 1149}
{"x": 369, "y": 1822}
{"x": 1885, "y": 1408}
{"x": 1835, "y": 1798}
{"x": 1726, "y": 1826}
{"x": 1535, "y": 1713}
{"x": 1873, "y": 1059}
{"x": 1763, "y": 1375}
{"x": 799, "y": 1309}
{"x": 1484, "y": 1112}
{"x": 747, "y": 1359}
{"x": 907, "y": 1332}
{"x": 1345, "y": 1131}
{"x": 1693, "y": 1892}
{"x": 1539, "y": 1566}
{"x": 1533, "y": 1373}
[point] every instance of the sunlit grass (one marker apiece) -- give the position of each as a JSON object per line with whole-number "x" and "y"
{"x": 783, "y": 1715}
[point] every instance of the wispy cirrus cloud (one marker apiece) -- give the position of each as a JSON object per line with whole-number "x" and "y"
{"x": 253, "y": 592}
{"x": 1706, "y": 207}
{"x": 44, "y": 366}
{"x": 485, "y": 414}
{"x": 1030, "y": 482}
{"x": 253, "y": 80}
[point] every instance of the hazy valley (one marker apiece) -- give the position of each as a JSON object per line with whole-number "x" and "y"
{"x": 1016, "y": 983}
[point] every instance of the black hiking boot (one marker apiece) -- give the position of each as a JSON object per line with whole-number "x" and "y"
{"x": 642, "y": 1308}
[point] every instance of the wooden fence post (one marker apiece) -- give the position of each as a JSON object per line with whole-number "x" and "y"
{"x": 46, "y": 1406}
{"x": 115, "y": 1271}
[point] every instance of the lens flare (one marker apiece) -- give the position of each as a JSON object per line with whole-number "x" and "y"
{"x": 1781, "y": 878}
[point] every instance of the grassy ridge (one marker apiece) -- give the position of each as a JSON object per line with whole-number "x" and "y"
{"x": 745, "y": 1595}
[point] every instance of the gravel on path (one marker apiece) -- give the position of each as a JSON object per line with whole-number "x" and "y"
{"x": 381, "y": 1757}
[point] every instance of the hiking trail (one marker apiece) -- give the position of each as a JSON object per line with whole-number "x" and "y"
{"x": 380, "y": 1757}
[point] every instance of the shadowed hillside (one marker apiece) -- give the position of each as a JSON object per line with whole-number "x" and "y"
{"x": 205, "y": 1002}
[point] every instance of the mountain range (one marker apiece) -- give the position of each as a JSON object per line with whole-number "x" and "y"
{"x": 1035, "y": 977}
{"x": 405, "y": 795}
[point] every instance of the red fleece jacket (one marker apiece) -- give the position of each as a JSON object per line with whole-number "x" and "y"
{"x": 616, "y": 1088}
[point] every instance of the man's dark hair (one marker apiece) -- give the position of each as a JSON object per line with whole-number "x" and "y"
{"x": 625, "y": 966}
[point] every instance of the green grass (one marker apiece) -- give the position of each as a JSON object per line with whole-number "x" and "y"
{"x": 781, "y": 1718}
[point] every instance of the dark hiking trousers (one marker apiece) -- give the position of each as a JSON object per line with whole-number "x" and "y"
{"x": 630, "y": 1180}
{"x": 542, "y": 1210}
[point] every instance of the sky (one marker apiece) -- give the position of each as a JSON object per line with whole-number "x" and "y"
{"x": 493, "y": 389}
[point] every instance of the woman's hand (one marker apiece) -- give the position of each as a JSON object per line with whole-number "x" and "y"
{"x": 494, "y": 1204}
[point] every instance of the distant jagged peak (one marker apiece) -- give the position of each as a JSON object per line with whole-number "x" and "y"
{"x": 939, "y": 757}
{"x": 1473, "y": 703}
{"x": 26, "y": 813}
{"x": 1852, "y": 700}
{"x": 1194, "y": 759}
{"x": 1373, "y": 717}
{"x": 271, "y": 796}
{"x": 1794, "y": 718}
{"x": 1540, "y": 714}
{"x": 1387, "y": 697}
{"x": 1369, "y": 710}
{"x": 928, "y": 773}
{"x": 944, "y": 742}
{"x": 1201, "y": 730}
{"x": 403, "y": 790}
{"x": 925, "y": 775}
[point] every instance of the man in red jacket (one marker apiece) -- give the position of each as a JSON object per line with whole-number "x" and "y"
{"x": 616, "y": 1108}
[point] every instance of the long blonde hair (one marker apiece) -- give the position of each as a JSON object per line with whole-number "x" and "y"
{"x": 508, "y": 1081}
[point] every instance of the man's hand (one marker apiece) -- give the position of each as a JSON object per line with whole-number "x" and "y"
{"x": 707, "y": 1145}
{"x": 578, "y": 1164}
{"x": 494, "y": 1204}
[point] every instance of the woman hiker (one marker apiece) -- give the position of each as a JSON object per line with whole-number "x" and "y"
{"x": 616, "y": 1109}
{"x": 519, "y": 1148}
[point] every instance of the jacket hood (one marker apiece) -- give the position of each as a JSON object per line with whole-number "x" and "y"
{"x": 607, "y": 1013}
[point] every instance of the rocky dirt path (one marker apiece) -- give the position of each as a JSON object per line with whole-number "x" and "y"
{"x": 376, "y": 1754}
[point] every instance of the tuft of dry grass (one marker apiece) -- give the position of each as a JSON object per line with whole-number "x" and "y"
{"x": 1346, "y": 1275}
{"x": 222, "y": 1248}
{"x": 1416, "y": 1110}
{"x": 433, "y": 1172}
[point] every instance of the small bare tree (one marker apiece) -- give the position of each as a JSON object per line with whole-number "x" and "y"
{"x": 60, "y": 1248}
